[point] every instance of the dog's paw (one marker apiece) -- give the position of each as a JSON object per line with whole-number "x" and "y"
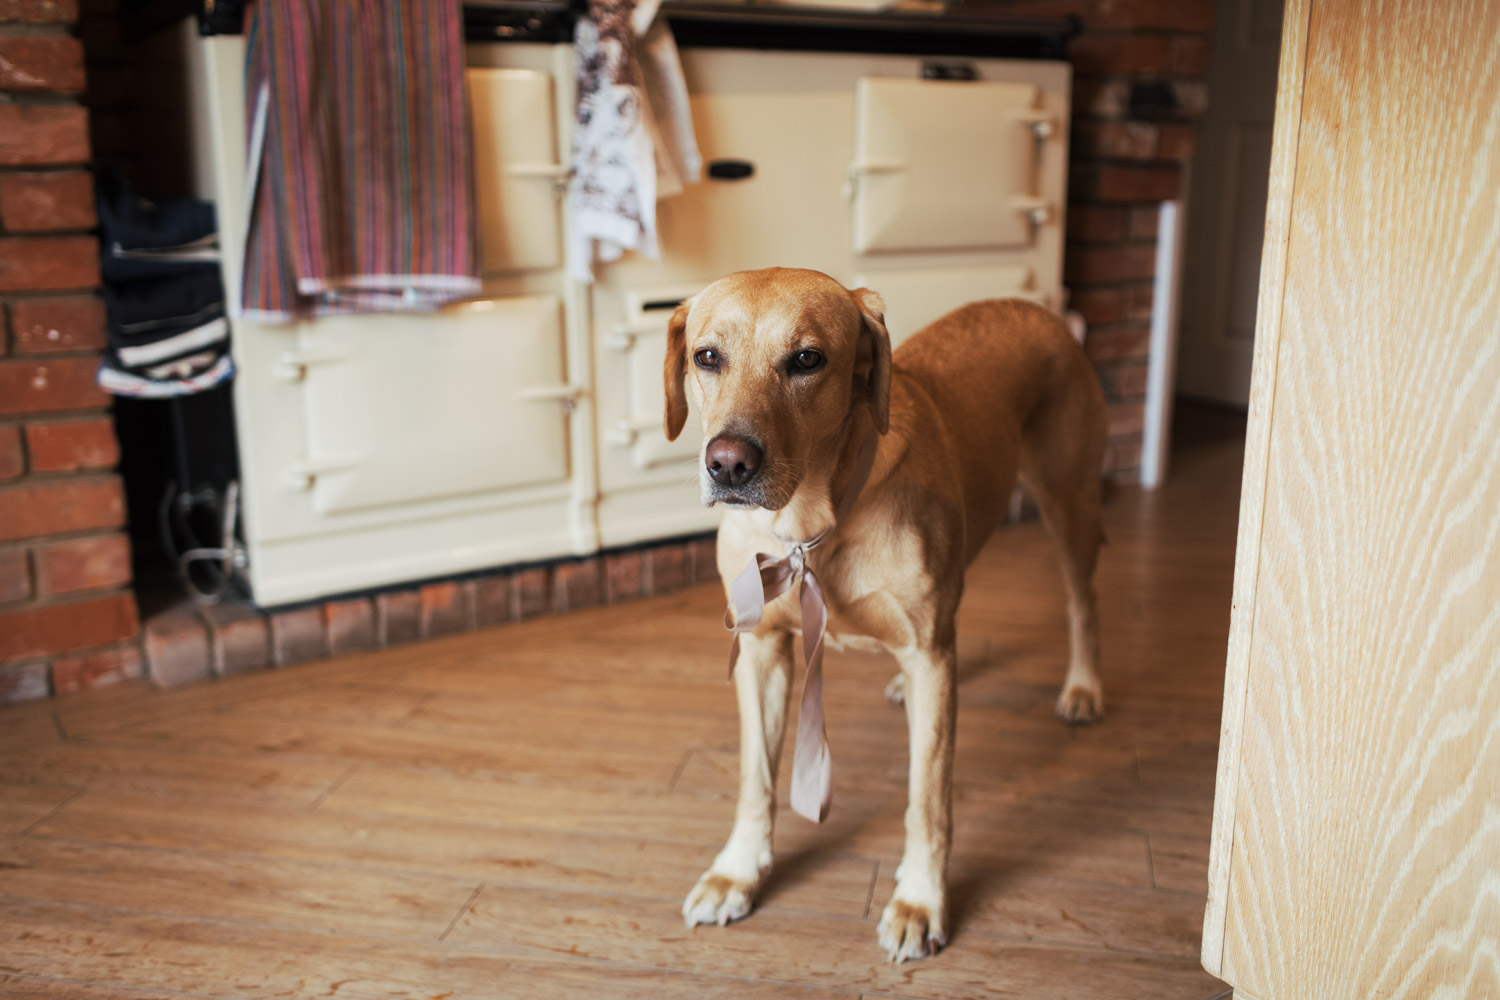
{"x": 911, "y": 930}
{"x": 718, "y": 899}
{"x": 895, "y": 691}
{"x": 1081, "y": 704}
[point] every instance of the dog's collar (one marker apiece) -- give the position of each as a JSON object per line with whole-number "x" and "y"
{"x": 766, "y": 578}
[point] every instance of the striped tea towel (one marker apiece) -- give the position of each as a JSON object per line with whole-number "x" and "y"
{"x": 361, "y": 176}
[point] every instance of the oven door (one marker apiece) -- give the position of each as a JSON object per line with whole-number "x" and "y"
{"x": 945, "y": 165}
{"x": 401, "y": 409}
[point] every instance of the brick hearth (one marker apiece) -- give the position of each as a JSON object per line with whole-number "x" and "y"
{"x": 184, "y": 643}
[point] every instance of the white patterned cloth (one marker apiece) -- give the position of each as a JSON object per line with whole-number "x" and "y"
{"x": 634, "y": 140}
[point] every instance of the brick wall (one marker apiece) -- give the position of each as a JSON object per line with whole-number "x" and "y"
{"x": 1140, "y": 85}
{"x": 67, "y": 617}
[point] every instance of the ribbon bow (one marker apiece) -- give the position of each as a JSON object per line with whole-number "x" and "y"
{"x": 767, "y": 578}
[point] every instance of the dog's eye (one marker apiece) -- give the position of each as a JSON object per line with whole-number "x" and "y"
{"x": 707, "y": 359}
{"x": 806, "y": 361}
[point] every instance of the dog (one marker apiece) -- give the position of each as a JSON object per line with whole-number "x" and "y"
{"x": 793, "y": 374}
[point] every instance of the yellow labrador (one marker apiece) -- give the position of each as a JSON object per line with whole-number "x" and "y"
{"x": 792, "y": 373}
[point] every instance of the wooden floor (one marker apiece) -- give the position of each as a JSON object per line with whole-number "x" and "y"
{"x": 518, "y": 813}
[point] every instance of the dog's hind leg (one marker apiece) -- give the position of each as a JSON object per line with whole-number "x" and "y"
{"x": 1072, "y": 519}
{"x": 1062, "y": 465}
{"x": 914, "y": 923}
{"x": 762, "y": 683}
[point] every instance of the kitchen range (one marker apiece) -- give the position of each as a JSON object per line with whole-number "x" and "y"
{"x": 923, "y": 156}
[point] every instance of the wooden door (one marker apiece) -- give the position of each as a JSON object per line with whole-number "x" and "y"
{"x": 1356, "y": 841}
{"x": 1229, "y": 203}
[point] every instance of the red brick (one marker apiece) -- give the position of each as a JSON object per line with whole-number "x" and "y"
{"x": 1143, "y": 222}
{"x": 703, "y": 553}
{"x": 69, "y": 445}
{"x": 1178, "y": 15}
{"x": 1115, "y": 182}
{"x": 1192, "y": 97}
{"x": 625, "y": 576}
{"x": 12, "y": 460}
{"x": 1095, "y": 224}
{"x": 297, "y": 636}
{"x": 350, "y": 625}
{"x": 492, "y": 600}
{"x": 1108, "y": 98}
{"x": 1105, "y": 264}
{"x": 85, "y": 671}
{"x": 1176, "y": 142}
{"x": 15, "y": 575}
{"x": 23, "y": 682}
{"x": 39, "y": 11}
{"x": 1122, "y": 457}
{"x": 42, "y": 134}
{"x": 1128, "y": 341}
{"x": 1130, "y": 379}
{"x": 1099, "y": 305}
{"x": 1116, "y": 140}
{"x": 446, "y": 607}
{"x": 83, "y": 564}
{"x": 1138, "y": 302}
{"x": 530, "y": 590}
{"x": 41, "y": 62}
{"x": 238, "y": 638}
{"x": 177, "y": 647}
{"x": 668, "y": 567}
{"x": 398, "y": 616}
{"x": 34, "y": 203}
{"x": 1190, "y": 55}
{"x": 1120, "y": 53}
{"x": 39, "y": 386}
{"x": 60, "y": 323}
{"x": 577, "y": 584}
{"x": 48, "y": 263}
{"x": 55, "y": 507}
{"x": 41, "y": 630}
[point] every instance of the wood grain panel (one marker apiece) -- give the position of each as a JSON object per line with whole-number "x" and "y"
{"x": 1285, "y": 138}
{"x": 1366, "y": 842}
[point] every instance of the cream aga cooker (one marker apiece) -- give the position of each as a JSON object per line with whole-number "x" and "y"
{"x": 924, "y": 157}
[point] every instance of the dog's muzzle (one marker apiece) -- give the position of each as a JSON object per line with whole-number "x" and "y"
{"x": 732, "y": 471}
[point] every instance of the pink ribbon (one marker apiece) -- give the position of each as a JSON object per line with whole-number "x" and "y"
{"x": 767, "y": 578}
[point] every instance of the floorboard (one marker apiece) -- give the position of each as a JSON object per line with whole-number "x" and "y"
{"x": 518, "y": 813}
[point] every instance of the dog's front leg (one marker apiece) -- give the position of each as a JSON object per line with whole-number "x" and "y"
{"x": 762, "y": 683}
{"x": 914, "y": 923}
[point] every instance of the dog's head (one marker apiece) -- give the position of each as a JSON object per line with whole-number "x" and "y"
{"x": 778, "y": 362}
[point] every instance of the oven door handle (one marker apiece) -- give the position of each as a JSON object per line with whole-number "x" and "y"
{"x": 567, "y": 395}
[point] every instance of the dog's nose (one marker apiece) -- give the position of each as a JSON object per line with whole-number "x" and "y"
{"x": 732, "y": 461}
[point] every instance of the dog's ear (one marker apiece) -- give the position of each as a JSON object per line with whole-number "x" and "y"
{"x": 875, "y": 348}
{"x": 674, "y": 371}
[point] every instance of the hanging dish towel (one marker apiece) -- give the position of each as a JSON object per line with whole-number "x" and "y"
{"x": 159, "y": 261}
{"x": 361, "y": 177}
{"x": 633, "y": 141}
